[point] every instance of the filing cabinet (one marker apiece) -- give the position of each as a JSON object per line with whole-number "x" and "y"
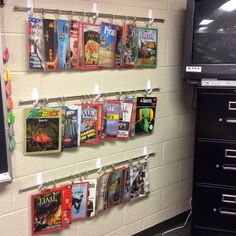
{"x": 214, "y": 179}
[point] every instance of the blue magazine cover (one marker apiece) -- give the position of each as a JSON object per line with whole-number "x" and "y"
{"x": 63, "y": 36}
{"x": 79, "y": 200}
{"x": 107, "y": 44}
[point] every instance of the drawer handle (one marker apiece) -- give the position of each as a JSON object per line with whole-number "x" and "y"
{"x": 231, "y": 213}
{"x": 228, "y": 167}
{"x": 229, "y": 153}
{"x": 231, "y": 120}
{"x": 228, "y": 198}
{"x": 232, "y": 106}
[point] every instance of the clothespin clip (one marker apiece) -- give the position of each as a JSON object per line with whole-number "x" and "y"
{"x": 35, "y": 96}
{"x": 39, "y": 181}
{"x": 145, "y": 153}
{"x": 99, "y": 165}
{"x": 30, "y": 6}
{"x": 95, "y": 12}
{"x": 148, "y": 88}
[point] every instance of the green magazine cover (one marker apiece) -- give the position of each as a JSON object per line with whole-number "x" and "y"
{"x": 42, "y": 130}
{"x": 146, "y": 55}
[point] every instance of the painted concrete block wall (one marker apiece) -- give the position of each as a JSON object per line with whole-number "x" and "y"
{"x": 170, "y": 169}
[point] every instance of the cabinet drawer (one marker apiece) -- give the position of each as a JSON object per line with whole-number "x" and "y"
{"x": 214, "y": 208}
{"x": 210, "y": 232}
{"x": 215, "y": 162}
{"x": 217, "y": 115}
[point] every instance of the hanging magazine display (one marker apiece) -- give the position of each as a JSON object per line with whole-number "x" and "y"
{"x": 47, "y": 211}
{"x": 79, "y": 200}
{"x": 90, "y": 45}
{"x": 139, "y": 181}
{"x": 146, "y": 47}
{"x": 126, "y": 112}
{"x": 107, "y": 44}
{"x": 89, "y": 124}
{"x": 102, "y": 198}
{"x": 111, "y": 119}
{"x": 42, "y": 131}
{"x": 129, "y": 45}
{"x": 71, "y": 137}
{"x": 115, "y": 187}
{"x": 145, "y": 114}
{"x": 36, "y": 48}
{"x": 118, "y": 48}
{"x": 51, "y": 46}
{"x": 74, "y": 43}
{"x": 92, "y": 193}
{"x": 63, "y": 37}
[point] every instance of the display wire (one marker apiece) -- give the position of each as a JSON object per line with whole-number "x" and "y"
{"x": 182, "y": 226}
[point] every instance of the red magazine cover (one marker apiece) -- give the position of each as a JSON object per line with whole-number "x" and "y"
{"x": 67, "y": 205}
{"x": 90, "y": 36}
{"x": 47, "y": 211}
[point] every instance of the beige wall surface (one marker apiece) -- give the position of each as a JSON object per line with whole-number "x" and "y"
{"x": 170, "y": 169}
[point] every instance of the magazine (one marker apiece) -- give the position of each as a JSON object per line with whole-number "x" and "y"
{"x": 126, "y": 113}
{"x": 36, "y": 48}
{"x": 146, "y": 55}
{"x": 47, "y": 211}
{"x": 100, "y": 122}
{"x": 111, "y": 122}
{"x": 107, "y": 44}
{"x": 102, "y": 194}
{"x": 92, "y": 192}
{"x": 115, "y": 187}
{"x": 42, "y": 131}
{"x": 139, "y": 181}
{"x": 74, "y": 43}
{"x": 90, "y": 45}
{"x": 50, "y": 42}
{"x": 126, "y": 185}
{"x": 63, "y": 37}
{"x": 71, "y": 137}
{"x": 145, "y": 114}
{"x": 129, "y": 45}
{"x": 89, "y": 124}
{"x": 118, "y": 48}
{"x": 79, "y": 200}
{"x": 67, "y": 204}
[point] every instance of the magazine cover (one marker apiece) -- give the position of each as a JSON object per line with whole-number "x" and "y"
{"x": 115, "y": 187}
{"x": 42, "y": 132}
{"x": 63, "y": 37}
{"x": 100, "y": 122}
{"x": 79, "y": 200}
{"x": 102, "y": 194}
{"x": 36, "y": 48}
{"x": 111, "y": 122}
{"x": 50, "y": 42}
{"x": 126, "y": 185}
{"x": 67, "y": 204}
{"x": 126, "y": 113}
{"x": 146, "y": 55}
{"x": 89, "y": 124}
{"x": 71, "y": 137}
{"x": 133, "y": 120}
{"x": 92, "y": 193}
{"x": 90, "y": 45}
{"x": 139, "y": 181}
{"x": 107, "y": 44}
{"x": 145, "y": 114}
{"x": 47, "y": 211}
{"x": 74, "y": 43}
{"x": 118, "y": 48}
{"x": 129, "y": 45}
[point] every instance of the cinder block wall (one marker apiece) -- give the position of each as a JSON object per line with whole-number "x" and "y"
{"x": 170, "y": 169}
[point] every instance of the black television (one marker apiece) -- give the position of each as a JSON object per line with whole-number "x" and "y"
{"x": 210, "y": 40}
